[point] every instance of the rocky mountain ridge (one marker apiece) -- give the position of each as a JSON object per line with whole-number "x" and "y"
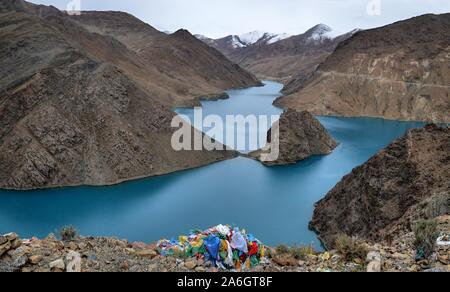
{"x": 399, "y": 71}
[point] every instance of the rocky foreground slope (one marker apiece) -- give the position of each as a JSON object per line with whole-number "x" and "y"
{"x": 92, "y": 254}
{"x": 400, "y": 72}
{"x": 297, "y": 136}
{"x": 407, "y": 181}
{"x": 82, "y": 108}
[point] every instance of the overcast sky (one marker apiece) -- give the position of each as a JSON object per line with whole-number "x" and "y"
{"x": 217, "y": 18}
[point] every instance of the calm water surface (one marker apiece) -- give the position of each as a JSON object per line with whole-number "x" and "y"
{"x": 275, "y": 204}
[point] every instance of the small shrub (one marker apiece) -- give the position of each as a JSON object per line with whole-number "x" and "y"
{"x": 302, "y": 252}
{"x": 350, "y": 249}
{"x": 282, "y": 249}
{"x": 296, "y": 252}
{"x": 68, "y": 233}
{"x": 426, "y": 234}
{"x": 438, "y": 205}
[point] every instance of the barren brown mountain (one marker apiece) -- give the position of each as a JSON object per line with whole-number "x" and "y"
{"x": 182, "y": 65}
{"x": 400, "y": 71}
{"x": 407, "y": 181}
{"x": 79, "y": 105}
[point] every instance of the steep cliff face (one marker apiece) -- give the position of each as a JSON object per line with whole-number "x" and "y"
{"x": 300, "y": 136}
{"x": 73, "y": 110}
{"x": 400, "y": 71}
{"x": 408, "y": 180}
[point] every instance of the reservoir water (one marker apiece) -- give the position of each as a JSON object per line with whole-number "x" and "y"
{"x": 275, "y": 204}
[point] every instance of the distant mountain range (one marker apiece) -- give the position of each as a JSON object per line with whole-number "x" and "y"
{"x": 244, "y": 40}
{"x": 399, "y": 71}
{"x": 279, "y": 56}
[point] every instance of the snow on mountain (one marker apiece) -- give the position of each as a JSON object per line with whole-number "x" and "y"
{"x": 278, "y": 37}
{"x": 322, "y": 31}
{"x": 318, "y": 33}
{"x": 247, "y": 39}
{"x": 201, "y": 37}
{"x": 354, "y": 31}
{"x": 251, "y": 37}
{"x": 256, "y": 36}
{"x": 236, "y": 42}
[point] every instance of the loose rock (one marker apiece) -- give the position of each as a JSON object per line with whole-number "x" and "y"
{"x": 148, "y": 253}
{"x": 35, "y": 259}
{"x": 190, "y": 265}
{"x": 73, "y": 262}
{"x": 374, "y": 267}
{"x": 58, "y": 264}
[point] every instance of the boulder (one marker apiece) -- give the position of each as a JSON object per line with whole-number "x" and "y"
{"x": 374, "y": 260}
{"x": 373, "y": 256}
{"x": 285, "y": 261}
{"x": 5, "y": 247}
{"x": 374, "y": 267}
{"x": 73, "y": 259}
{"x": 200, "y": 269}
{"x": 58, "y": 264}
{"x": 146, "y": 253}
{"x": 20, "y": 261}
{"x": 191, "y": 264}
{"x": 35, "y": 259}
{"x": 8, "y": 242}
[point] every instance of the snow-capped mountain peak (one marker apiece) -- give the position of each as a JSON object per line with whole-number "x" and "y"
{"x": 236, "y": 42}
{"x": 256, "y": 36}
{"x": 245, "y": 40}
{"x": 251, "y": 37}
{"x": 201, "y": 37}
{"x": 278, "y": 37}
{"x": 323, "y": 31}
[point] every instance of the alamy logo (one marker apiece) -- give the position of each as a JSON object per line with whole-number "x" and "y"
{"x": 235, "y": 132}
{"x": 374, "y": 8}
{"x": 74, "y": 7}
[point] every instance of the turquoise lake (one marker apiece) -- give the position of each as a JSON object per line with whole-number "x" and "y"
{"x": 275, "y": 204}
